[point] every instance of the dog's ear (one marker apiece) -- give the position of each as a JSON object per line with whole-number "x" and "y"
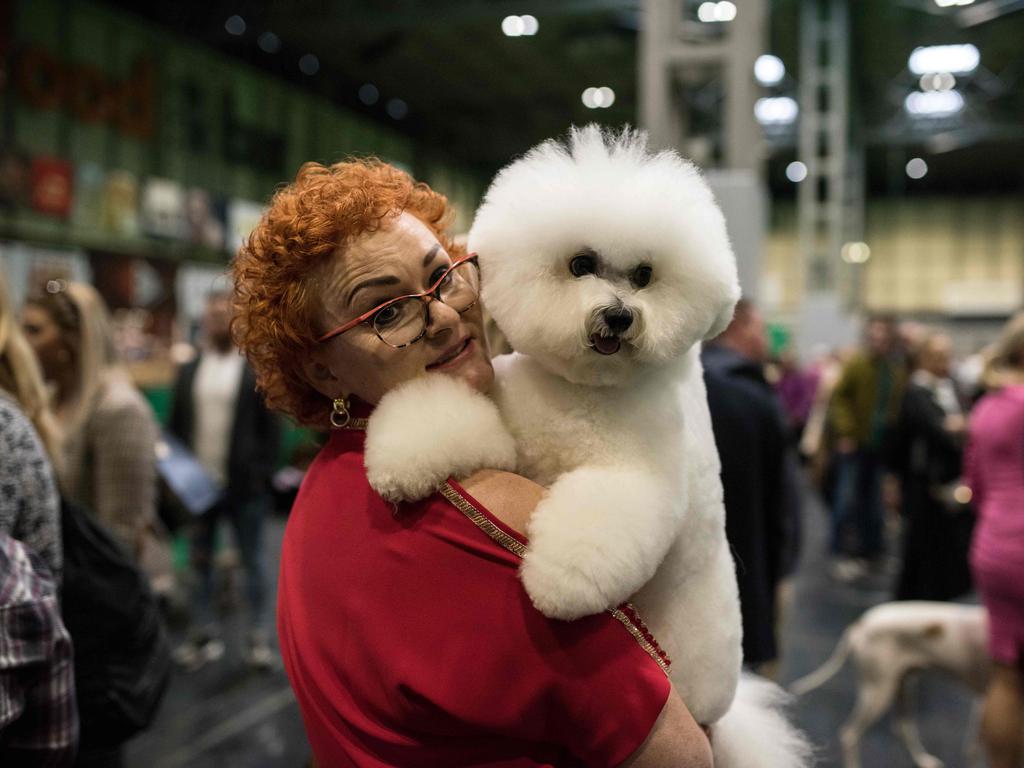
{"x": 721, "y": 322}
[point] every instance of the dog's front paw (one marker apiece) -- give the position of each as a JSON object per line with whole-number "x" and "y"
{"x": 429, "y": 429}
{"x": 595, "y": 540}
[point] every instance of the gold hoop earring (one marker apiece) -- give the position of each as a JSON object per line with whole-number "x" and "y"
{"x": 340, "y": 417}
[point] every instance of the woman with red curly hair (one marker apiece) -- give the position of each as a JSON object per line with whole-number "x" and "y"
{"x": 406, "y": 634}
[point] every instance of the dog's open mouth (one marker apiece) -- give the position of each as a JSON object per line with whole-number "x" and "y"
{"x": 606, "y": 345}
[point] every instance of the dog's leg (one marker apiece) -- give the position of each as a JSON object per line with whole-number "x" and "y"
{"x": 972, "y": 736}
{"x": 906, "y": 725}
{"x": 873, "y": 699}
{"x": 596, "y": 539}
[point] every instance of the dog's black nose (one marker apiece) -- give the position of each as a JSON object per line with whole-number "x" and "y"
{"x": 618, "y": 319}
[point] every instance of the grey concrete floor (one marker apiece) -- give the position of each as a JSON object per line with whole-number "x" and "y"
{"x": 227, "y": 716}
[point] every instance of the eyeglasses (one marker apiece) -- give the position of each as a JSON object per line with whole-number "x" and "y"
{"x": 403, "y": 321}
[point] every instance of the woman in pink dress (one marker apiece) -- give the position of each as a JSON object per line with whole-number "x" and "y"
{"x": 995, "y": 473}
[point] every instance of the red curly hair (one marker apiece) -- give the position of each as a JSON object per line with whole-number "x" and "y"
{"x": 277, "y": 272}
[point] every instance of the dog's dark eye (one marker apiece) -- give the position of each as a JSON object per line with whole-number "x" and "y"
{"x": 641, "y": 276}
{"x": 583, "y": 264}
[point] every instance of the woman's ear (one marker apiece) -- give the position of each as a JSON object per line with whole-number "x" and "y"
{"x": 318, "y": 374}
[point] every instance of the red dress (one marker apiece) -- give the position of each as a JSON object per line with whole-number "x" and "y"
{"x": 409, "y": 640}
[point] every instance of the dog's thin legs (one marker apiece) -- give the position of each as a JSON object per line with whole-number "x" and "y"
{"x": 873, "y": 699}
{"x": 907, "y": 726}
{"x": 1002, "y": 719}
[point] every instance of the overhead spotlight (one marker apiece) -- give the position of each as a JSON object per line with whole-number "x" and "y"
{"x": 933, "y": 103}
{"x": 944, "y": 58}
{"x": 711, "y": 12}
{"x": 309, "y": 64}
{"x": 855, "y": 253}
{"x": 769, "y": 70}
{"x": 369, "y": 94}
{"x": 950, "y": 3}
{"x": 937, "y": 81}
{"x": 598, "y": 98}
{"x": 776, "y": 110}
{"x": 796, "y": 171}
{"x": 725, "y": 11}
{"x": 269, "y": 42}
{"x": 530, "y": 25}
{"x": 513, "y": 26}
{"x": 235, "y": 25}
{"x": 916, "y": 168}
{"x": 396, "y": 109}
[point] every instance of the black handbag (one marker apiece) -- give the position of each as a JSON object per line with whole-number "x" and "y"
{"x": 122, "y": 652}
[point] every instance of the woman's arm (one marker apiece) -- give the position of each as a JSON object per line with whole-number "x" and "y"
{"x": 125, "y": 471}
{"x": 675, "y": 740}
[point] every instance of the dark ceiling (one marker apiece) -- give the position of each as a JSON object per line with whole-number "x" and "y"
{"x": 479, "y": 97}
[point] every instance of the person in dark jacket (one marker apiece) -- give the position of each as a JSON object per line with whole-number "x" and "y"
{"x": 760, "y": 514}
{"x": 218, "y": 414}
{"x": 937, "y": 524}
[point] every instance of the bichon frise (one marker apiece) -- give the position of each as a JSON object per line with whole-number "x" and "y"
{"x": 605, "y": 266}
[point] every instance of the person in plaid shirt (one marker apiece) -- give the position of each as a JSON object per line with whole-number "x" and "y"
{"x": 38, "y": 715}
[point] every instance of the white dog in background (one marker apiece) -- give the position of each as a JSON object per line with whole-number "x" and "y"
{"x": 605, "y": 266}
{"x": 889, "y": 643}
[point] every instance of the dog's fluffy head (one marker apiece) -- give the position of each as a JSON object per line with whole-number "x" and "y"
{"x": 576, "y": 238}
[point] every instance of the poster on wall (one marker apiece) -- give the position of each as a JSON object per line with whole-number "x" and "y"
{"x": 163, "y": 209}
{"x": 205, "y": 219}
{"x": 87, "y": 209}
{"x": 120, "y": 207}
{"x": 52, "y": 186}
{"x": 243, "y": 216}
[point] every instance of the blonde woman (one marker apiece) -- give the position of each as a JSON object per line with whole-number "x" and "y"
{"x": 995, "y": 474}
{"x": 29, "y": 502}
{"x": 109, "y": 463}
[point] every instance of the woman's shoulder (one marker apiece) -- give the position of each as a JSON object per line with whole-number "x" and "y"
{"x": 509, "y": 497}
{"x": 119, "y": 398}
{"x": 17, "y": 435}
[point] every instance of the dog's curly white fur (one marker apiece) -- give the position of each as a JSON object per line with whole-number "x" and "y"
{"x": 612, "y": 415}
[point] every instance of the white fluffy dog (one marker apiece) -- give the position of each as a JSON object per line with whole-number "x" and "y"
{"x": 605, "y": 266}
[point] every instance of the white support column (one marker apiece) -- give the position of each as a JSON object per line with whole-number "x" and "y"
{"x": 677, "y": 52}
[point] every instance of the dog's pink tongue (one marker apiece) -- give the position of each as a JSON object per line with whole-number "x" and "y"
{"x": 606, "y": 345}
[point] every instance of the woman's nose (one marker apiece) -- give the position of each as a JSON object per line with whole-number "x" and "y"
{"x": 440, "y": 317}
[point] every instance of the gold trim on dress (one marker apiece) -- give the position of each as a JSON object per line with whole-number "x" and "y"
{"x": 640, "y": 633}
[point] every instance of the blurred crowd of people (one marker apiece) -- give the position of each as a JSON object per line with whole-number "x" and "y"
{"x": 909, "y": 448}
{"x": 82, "y": 491}
{"x": 919, "y": 459}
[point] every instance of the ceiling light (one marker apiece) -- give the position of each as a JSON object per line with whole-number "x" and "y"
{"x": 949, "y": 3}
{"x": 530, "y": 25}
{"x": 369, "y": 94}
{"x": 269, "y": 42}
{"x": 796, "y": 171}
{"x": 944, "y": 58}
{"x": 937, "y": 81}
{"x": 598, "y": 98}
{"x": 710, "y": 12}
{"x": 309, "y": 64}
{"x": 855, "y": 253}
{"x": 933, "y": 103}
{"x": 769, "y": 70}
{"x": 235, "y": 25}
{"x": 513, "y": 26}
{"x": 397, "y": 109}
{"x": 725, "y": 11}
{"x": 916, "y": 168}
{"x": 776, "y": 110}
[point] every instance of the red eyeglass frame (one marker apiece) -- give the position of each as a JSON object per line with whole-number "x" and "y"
{"x": 367, "y": 316}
